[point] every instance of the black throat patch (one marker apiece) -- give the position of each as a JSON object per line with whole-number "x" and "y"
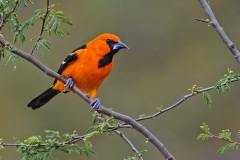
{"x": 107, "y": 59}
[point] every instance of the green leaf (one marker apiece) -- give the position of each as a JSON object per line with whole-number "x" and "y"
{"x": 42, "y": 45}
{"x": 225, "y": 134}
{"x": 63, "y": 18}
{"x": 92, "y": 152}
{"x": 95, "y": 116}
{"x": 203, "y": 136}
{"x": 2, "y": 52}
{"x": 224, "y": 83}
{"x": 227, "y": 148}
{"x": 235, "y": 75}
{"x": 205, "y": 128}
{"x": 52, "y": 134}
{"x": 208, "y": 98}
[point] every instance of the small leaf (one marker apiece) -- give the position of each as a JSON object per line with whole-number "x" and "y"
{"x": 227, "y": 148}
{"x": 208, "y": 98}
{"x": 225, "y": 134}
{"x": 203, "y": 136}
{"x": 205, "y": 127}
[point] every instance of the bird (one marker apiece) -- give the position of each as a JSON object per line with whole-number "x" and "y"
{"x": 85, "y": 67}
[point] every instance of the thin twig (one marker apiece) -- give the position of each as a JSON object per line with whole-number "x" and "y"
{"x": 202, "y": 20}
{"x": 125, "y": 139}
{"x": 214, "y": 23}
{"x": 184, "y": 98}
{"x": 227, "y": 140}
{"x": 135, "y": 125}
{"x": 42, "y": 28}
{"x": 180, "y": 101}
{"x": 71, "y": 141}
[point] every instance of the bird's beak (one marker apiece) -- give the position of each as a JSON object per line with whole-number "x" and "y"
{"x": 119, "y": 45}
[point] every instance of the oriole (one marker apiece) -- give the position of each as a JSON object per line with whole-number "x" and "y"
{"x": 86, "y": 67}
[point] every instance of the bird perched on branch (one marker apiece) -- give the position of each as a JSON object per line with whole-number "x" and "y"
{"x": 86, "y": 67}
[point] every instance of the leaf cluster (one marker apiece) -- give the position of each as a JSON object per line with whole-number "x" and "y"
{"x": 196, "y": 89}
{"x": 52, "y": 22}
{"x": 223, "y": 135}
{"x": 35, "y": 148}
{"x": 102, "y": 123}
{"x": 136, "y": 155}
{"x": 225, "y": 83}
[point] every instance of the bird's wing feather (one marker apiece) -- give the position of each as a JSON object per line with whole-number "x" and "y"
{"x": 70, "y": 58}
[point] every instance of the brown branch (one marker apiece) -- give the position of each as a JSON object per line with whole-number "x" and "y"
{"x": 180, "y": 101}
{"x": 42, "y": 28}
{"x": 214, "y": 23}
{"x": 184, "y": 98}
{"x": 226, "y": 140}
{"x": 128, "y": 120}
{"x": 71, "y": 141}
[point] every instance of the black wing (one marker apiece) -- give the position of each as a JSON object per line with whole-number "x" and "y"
{"x": 70, "y": 58}
{"x": 66, "y": 62}
{"x": 82, "y": 47}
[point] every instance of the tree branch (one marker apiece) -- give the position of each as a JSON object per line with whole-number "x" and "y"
{"x": 180, "y": 101}
{"x": 214, "y": 23}
{"x": 135, "y": 125}
{"x": 42, "y": 28}
{"x": 125, "y": 139}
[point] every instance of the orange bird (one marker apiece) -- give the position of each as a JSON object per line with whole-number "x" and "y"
{"x": 86, "y": 67}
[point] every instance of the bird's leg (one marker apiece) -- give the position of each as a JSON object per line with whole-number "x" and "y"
{"x": 69, "y": 83}
{"x": 95, "y": 104}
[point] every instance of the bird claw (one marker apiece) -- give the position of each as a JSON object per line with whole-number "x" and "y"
{"x": 69, "y": 83}
{"x": 95, "y": 104}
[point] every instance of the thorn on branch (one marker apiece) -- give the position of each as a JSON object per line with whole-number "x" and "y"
{"x": 202, "y": 20}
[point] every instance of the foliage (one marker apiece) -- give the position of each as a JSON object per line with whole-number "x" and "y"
{"x": 136, "y": 155}
{"x": 102, "y": 123}
{"x": 225, "y": 83}
{"x": 222, "y": 85}
{"x": 197, "y": 89}
{"x": 36, "y": 148}
{"x": 50, "y": 18}
{"x": 223, "y": 135}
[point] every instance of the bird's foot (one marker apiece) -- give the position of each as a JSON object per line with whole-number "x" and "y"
{"x": 69, "y": 84}
{"x": 95, "y": 104}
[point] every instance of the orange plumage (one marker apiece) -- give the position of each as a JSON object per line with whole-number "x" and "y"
{"x": 87, "y": 66}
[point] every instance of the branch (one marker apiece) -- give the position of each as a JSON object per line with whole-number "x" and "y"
{"x": 73, "y": 140}
{"x": 7, "y": 15}
{"x": 184, "y": 98}
{"x": 124, "y": 138}
{"x": 135, "y": 125}
{"x": 42, "y": 28}
{"x": 214, "y": 23}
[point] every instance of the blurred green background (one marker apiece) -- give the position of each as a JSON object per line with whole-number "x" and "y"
{"x": 169, "y": 53}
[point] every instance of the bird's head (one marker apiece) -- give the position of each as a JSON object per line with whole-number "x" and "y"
{"x": 106, "y": 43}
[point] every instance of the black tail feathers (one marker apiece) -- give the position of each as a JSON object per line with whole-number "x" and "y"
{"x": 43, "y": 98}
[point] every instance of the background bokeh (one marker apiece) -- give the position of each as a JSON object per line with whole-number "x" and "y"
{"x": 169, "y": 53}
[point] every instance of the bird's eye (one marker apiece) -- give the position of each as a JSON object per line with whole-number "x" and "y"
{"x": 109, "y": 41}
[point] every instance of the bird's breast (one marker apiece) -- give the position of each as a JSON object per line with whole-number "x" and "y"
{"x": 86, "y": 74}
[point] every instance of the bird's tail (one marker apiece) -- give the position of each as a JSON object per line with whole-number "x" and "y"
{"x": 43, "y": 98}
